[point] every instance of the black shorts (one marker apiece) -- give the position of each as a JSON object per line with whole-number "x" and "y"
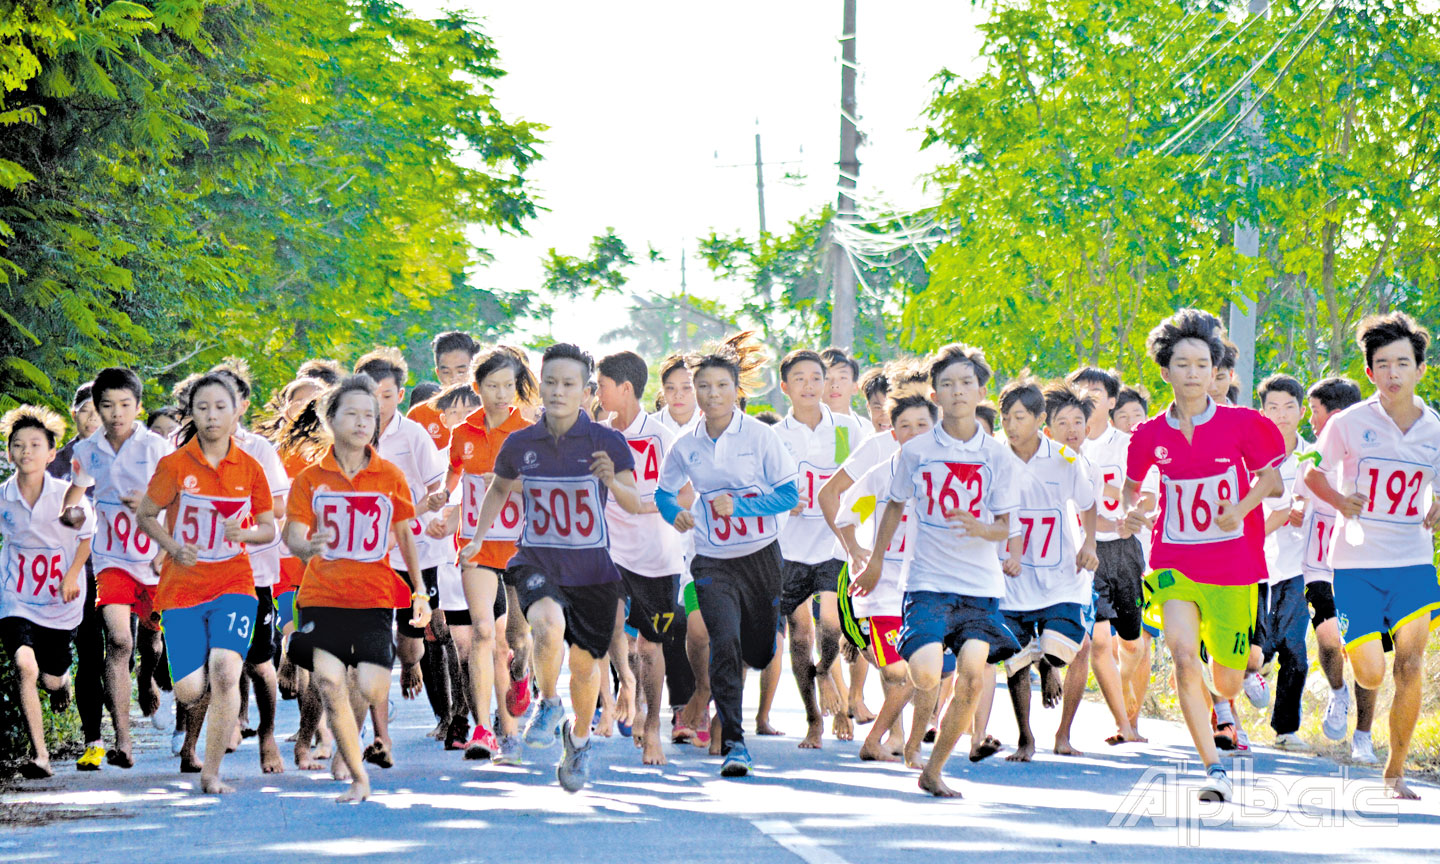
{"x": 803, "y": 581}
{"x": 1321, "y": 597}
{"x": 51, "y": 646}
{"x": 654, "y": 605}
{"x": 589, "y": 609}
{"x": 1117, "y": 585}
{"x": 354, "y": 636}
{"x": 461, "y": 617}
{"x": 431, "y": 577}
{"x": 262, "y": 643}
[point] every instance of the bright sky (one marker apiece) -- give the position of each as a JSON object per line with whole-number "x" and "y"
{"x": 648, "y": 101}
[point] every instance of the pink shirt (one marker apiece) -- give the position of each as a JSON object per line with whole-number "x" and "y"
{"x": 1230, "y": 444}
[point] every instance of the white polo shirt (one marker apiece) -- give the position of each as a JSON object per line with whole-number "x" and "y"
{"x": 818, "y": 453}
{"x": 119, "y": 542}
{"x": 1319, "y": 528}
{"x": 1367, "y": 452}
{"x": 938, "y": 474}
{"x": 1285, "y": 546}
{"x": 747, "y": 459}
{"x": 1055, "y": 486}
{"x": 36, "y": 554}
{"x": 664, "y": 419}
{"x": 265, "y": 557}
{"x": 861, "y": 506}
{"x": 406, "y": 444}
{"x": 1106, "y": 455}
{"x": 642, "y": 542}
{"x": 872, "y": 451}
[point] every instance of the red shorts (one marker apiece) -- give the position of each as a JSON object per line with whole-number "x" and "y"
{"x": 885, "y": 638}
{"x": 116, "y": 587}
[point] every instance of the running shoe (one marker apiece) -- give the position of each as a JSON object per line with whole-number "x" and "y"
{"x": 1256, "y": 690}
{"x": 1217, "y": 787}
{"x": 164, "y": 716}
{"x": 545, "y": 723}
{"x": 1242, "y": 741}
{"x": 92, "y": 759}
{"x": 482, "y": 744}
{"x": 573, "y": 772}
{"x": 517, "y": 698}
{"x": 1292, "y": 743}
{"x": 457, "y": 733}
{"x": 177, "y": 742}
{"x": 679, "y": 732}
{"x": 737, "y": 762}
{"x": 1362, "y": 749}
{"x": 1337, "y": 714}
{"x": 512, "y": 751}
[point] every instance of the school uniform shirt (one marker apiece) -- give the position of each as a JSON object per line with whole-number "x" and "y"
{"x": 818, "y": 454}
{"x": 1285, "y": 546}
{"x": 566, "y": 535}
{"x": 938, "y": 474}
{"x": 36, "y": 554}
{"x": 197, "y": 499}
{"x": 1364, "y": 449}
{"x": 861, "y": 506}
{"x": 1055, "y": 485}
{"x": 352, "y": 571}
{"x": 1106, "y": 456}
{"x": 406, "y": 445}
{"x": 748, "y": 459}
{"x": 265, "y": 557}
{"x": 1230, "y": 445}
{"x": 119, "y": 542}
{"x": 473, "y": 448}
{"x": 642, "y": 542}
{"x": 664, "y": 419}
{"x": 428, "y": 416}
{"x": 872, "y": 451}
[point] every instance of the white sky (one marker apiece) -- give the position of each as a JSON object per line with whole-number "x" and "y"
{"x": 644, "y": 99}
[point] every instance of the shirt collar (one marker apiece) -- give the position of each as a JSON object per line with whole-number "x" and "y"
{"x": 944, "y": 439}
{"x": 581, "y": 426}
{"x": 192, "y": 448}
{"x": 1203, "y": 417}
{"x": 736, "y": 416}
{"x": 393, "y": 426}
{"x": 636, "y": 426}
{"x": 99, "y": 439}
{"x": 330, "y": 463}
{"x": 827, "y": 419}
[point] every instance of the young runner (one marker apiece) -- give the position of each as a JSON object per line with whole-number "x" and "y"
{"x": 875, "y": 386}
{"x": 842, "y": 383}
{"x": 961, "y": 483}
{"x": 327, "y": 372}
{"x": 454, "y": 351}
{"x": 344, "y": 514}
{"x": 744, "y": 481}
{"x": 216, "y": 500}
{"x": 164, "y": 422}
{"x": 41, "y": 567}
{"x": 566, "y": 467}
{"x": 677, "y": 388}
{"x": 1223, "y": 388}
{"x": 118, "y": 460}
{"x": 1216, "y": 463}
{"x": 1383, "y": 454}
{"x": 1131, "y": 409}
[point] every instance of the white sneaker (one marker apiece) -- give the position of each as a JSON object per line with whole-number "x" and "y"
{"x": 1291, "y": 742}
{"x": 164, "y": 716}
{"x": 1362, "y": 750}
{"x": 1337, "y": 714}
{"x": 1216, "y": 788}
{"x": 177, "y": 742}
{"x": 1256, "y": 690}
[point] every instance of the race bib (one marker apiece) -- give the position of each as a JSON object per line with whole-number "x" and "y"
{"x": 1317, "y": 541}
{"x": 33, "y": 574}
{"x": 737, "y": 530}
{"x": 951, "y": 486}
{"x": 1398, "y": 491}
{"x": 647, "y": 466}
{"x": 1193, "y": 505}
{"x": 895, "y": 552}
{"x": 506, "y": 526}
{"x": 358, "y": 522}
{"x": 812, "y": 480}
{"x": 1110, "y": 478}
{"x": 120, "y": 536}
{"x": 1040, "y": 533}
{"x": 564, "y": 513}
{"x": 200, "y": 522}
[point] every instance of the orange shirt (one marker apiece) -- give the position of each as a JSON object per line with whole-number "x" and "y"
{"x": 428, "y": 416}
{"x": 472, "y": 452}
{"x": 353, "y": 571}
{"x": 197, "y": 500}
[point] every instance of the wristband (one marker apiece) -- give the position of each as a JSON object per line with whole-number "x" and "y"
{"x": 418, "y": 595}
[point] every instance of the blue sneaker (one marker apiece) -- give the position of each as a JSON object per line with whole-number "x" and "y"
{"x": 737, "y": 762}
{"x": 545, "y": 723}
{"x": 573, "y": 772}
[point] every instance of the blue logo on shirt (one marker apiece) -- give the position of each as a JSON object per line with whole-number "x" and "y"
{"x": 1369, "y": 438}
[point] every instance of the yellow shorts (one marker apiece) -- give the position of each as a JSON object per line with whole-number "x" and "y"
{"x": 1227, "y": 612}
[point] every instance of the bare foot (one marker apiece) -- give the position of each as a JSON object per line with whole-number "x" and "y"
{"x": 188, "y": 765}
{"x": 1398, "y": 789}
{"x": 844, "y": 728}
{"x": 872, "y": 752}
{"x": 323, "y": 750}
{"x": 1063, "y": 748}
{"x": 378, "y": 753}
{"x": 305, "y": 760}
{"x": 652, "y": 753}
{"x": 625, "y": 705}
{"x": 1024, "y": 752}
{"x": 411, "y": 681}
{"x": 860, "y": 714}
{"x": 339, "y": 770}
{"x": 236, "y": 736}
{"x": 988, "y": 747}
{"x": 715, "y": 735}
{"x": 285, "y": 679}
{"x": 606, "y": 727}
{"x": 1122, "y": 738}
{"x": 638, "y": 738}
{"x": 935, "y": 786}
{"x": 763, "y": 727}
{"x": 813, "y": 736}
{"x": 1052, "y": 685}
{"x": 359, "y": 790}
{"x": 214, "y": 786}
{"x": 37, "y": 769}
{"x": 914, "y": 760}
{"x": 830, "y": 701}
{"x": 270, "y": 761}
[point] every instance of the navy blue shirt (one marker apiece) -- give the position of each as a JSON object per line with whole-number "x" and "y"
{"x": 565, "y": 532}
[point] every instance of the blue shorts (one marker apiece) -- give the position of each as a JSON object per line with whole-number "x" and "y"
{"x": 1375, "y": 601}
{"x": 285, "y": 609}
{"x": 193, "y": 632}
{"x": 951, "y": 620}
{"x": 1087, "y": 613}
{"x": 1053, "y": 633}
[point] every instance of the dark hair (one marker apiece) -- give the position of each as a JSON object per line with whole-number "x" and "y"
{"x": 424, "y": 392}
{"x": 223, "y": 380}
{"x": 906, "y": 377}
{"x": 329, "y": 404}
{"x": 1128, "y": 395}
{"x": 457, "y": 394}
{"x": 798, "y": 356}
{"x": 239, "y": 372}
{"x": 840, "y": 357}
{"x": 1377, "y": 331}
{"x": 1087, "y": 375}
{"x": 116, "y": 378}
{"x": 1027, "y": 393}
{"x": 1282, "y": 384}
{"x": 325, "y": 371}
{"x": 1336, "y": 393}
{"x": 272, "y": 422}
{"x": 986, "y": 413}
{"x": 1185, "y": 324}
{"x": 180, "y": 392}
{"x": 670, "y": 364}
{"x": 454, "y": 340}
{"x": 384, "y": 363}
{"x": 168, "y": 411}
{"x": 82, "y": 394}
{"x": 310, "y": 433}
{"x": 1232, "y": 394}
{"x": 568, "y": 351}
{"x": 949, "y": 355}
{"x": 1228, "y": 357}
{"x": 769, "y": 418}
{"x": 508, "y": 357}
{"x": 874, "y": 382}
{"x": 32, "y": 417}
{"x": 897, "y": 405}
{"x": 626, "y": 366}
{"x": 1061, "y": 396}
{"x": 741, "y": 355}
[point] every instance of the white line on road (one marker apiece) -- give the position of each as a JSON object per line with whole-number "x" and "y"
{"x": 785, "y": 834}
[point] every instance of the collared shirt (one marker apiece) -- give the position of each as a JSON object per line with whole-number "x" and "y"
{"x": 1230, "y": 445}
{"x": 265, "y": 557}
{"x": 406, "y": 445}
{"x": 860, "y": 506}
{"x": 641, "y": 542}
{"x": 1055, "y": 487}
{"x": 938, "y": 474}
{"x": 119, "y": 542}
{"x": 664, "y": 419}
{"x": 566, "y": 534}
{"x": 1106, "y": 456}
{"x": 1285, "y": 546}
{"x": 37, "y": 552}
{"x": 428, "y": 416}
{"x": 818, "y": 454}
{"x": 364, "y": 512}
{"x": 1366, "y": 452}
{"x": 473, "y": 448}
{"x": 747, "y": 459}
{"x": 197, "y": 498}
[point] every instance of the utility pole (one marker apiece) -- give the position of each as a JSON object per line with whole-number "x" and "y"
{"x": 842, "y": 301}
{"x": 1247, "y": 243}
{"x": 759, "y": 180}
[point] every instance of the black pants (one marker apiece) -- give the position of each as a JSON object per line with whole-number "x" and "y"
{"x": 1281, "y": 620}
{"x": 740, "y": 602}
{"x": 679, "y": 677}
{"x": 90, "y": 664}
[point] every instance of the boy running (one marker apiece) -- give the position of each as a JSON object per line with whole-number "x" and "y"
{"x": 454, "y": 351}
